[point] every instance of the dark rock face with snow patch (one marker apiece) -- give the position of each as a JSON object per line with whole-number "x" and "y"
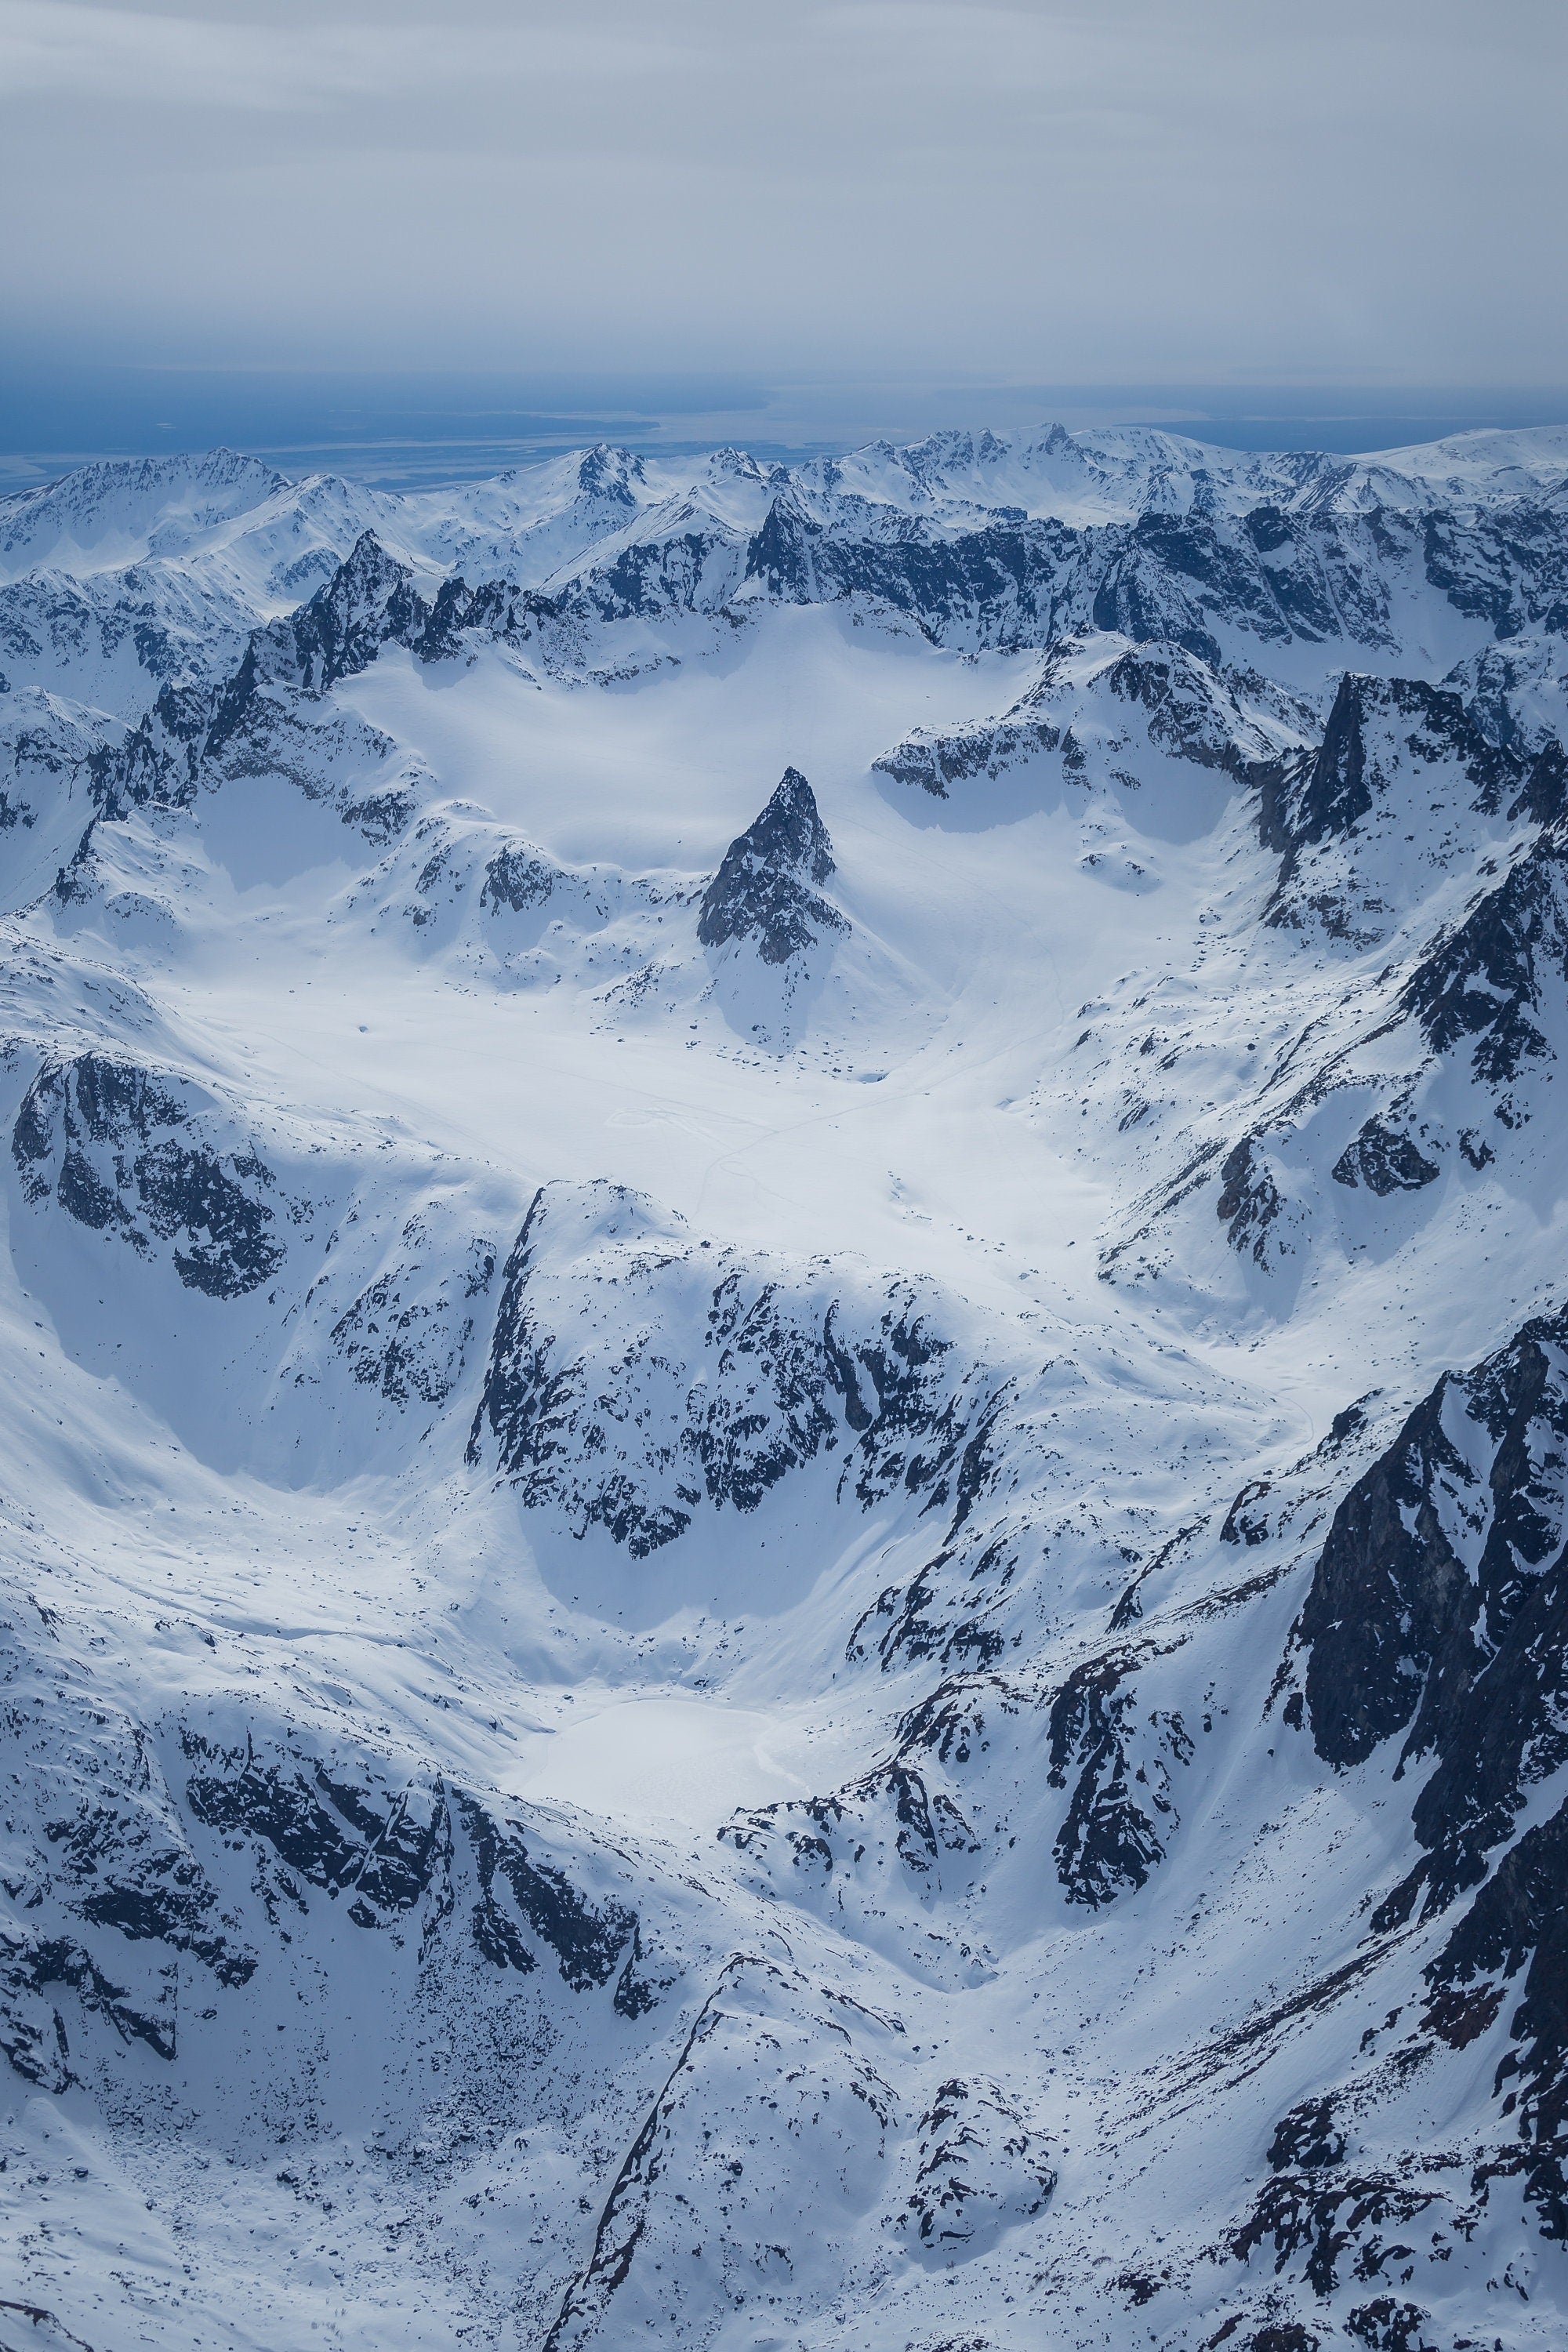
{"x": 1439, "y": 1609}
{"x": 1485, "y": 984}
{"x": 518, "y": 878}
{"x": 368, "y": 601}
{"x": 979, "y": 2167}
{"x": 768, "y": 888}
{"x": 1103, "y": 705}
{"x": 730, "y": 1383}
{"x": 1395, "y": 751}
{"x": 1385, "y": 1160}
{"x": 1439, "y": 1551}
{"x": 113, "y": 1147}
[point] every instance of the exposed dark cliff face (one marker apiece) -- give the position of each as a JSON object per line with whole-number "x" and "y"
{"x": 1439, "y": 1609}
{"x": 1121, "y": 1814}
{"x": 135, "y": 1871}
{"x": 1173, "y": 571}
{"x": 1333, "y": 792}
{"x": 768, "y": 886}
{"x": 406, "y": 1337}
{"x": 1311, "y": 576}
{"x": 370, "y": 601}
{"x": 396, "y": 1849}
{"x": 1449, "y": 1540}
{"x": 1190, "y": 712}
{"x": 116, "y": 1147}
{"x": 1007, "y": 584}
{"x": 1250, "y": 1202}
{"x": 1488, "y": 978}
{"x": 1403, "y": 761}
{"x": 1378, "y": 728}
{"x": 1518, "y": 1922}
{"x": 726, "y": 1384}
{"x": 1164, "y": 699}
{"x": 518, "y": 878}
{"x": 1384, "y": 1159}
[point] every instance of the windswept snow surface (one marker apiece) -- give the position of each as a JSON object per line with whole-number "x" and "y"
{"x": 782, "y": 1444}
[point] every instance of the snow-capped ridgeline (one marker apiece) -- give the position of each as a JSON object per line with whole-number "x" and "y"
{"x": 784, "y": 1446}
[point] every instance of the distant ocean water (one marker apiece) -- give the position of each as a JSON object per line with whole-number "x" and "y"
{"x": 398, "y": 431}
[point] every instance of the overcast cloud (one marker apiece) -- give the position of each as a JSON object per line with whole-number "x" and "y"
{"x": 1199, "y": 188}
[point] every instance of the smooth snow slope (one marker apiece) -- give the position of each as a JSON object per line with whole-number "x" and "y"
{"x": 783, "y": 1497}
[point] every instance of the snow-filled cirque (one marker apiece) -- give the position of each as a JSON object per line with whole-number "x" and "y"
{"x": 784, "y": 1447}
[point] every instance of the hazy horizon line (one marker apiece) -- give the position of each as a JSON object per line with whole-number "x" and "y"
{"x": 385, "y": 429}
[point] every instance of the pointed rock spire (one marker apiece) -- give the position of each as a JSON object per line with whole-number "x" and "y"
{"x": 369, "y": 598}
{"x": 766, "y": 889}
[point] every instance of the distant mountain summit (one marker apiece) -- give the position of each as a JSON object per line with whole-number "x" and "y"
{"x": 121, "y": 508}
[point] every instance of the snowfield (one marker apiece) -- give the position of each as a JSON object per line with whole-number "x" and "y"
{"x": 784, "y": 1450}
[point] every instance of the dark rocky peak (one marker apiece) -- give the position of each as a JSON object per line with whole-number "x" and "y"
{"x": 1334, "y": 791}
{"x": 1374, "y": 716}
{"x": 1439, "y": 1605}
{"x": 608, "y": 472}
{"x": 1401, "y": 762}
{"x": 159, "y": 760}
{"x": 369, "y": 599}
{"x": 789, "y": 831}
{"x": 363, "y": 582}
{"x": 498, "y": 608}
{"x": 780, "y": 552}
{"x": 1487, "y": 976}
{"x": 1435, "y": 1550}
{"x": 739, "y": 465}
{"x": 452, "y": 613}
{"x": 767, "y": 888}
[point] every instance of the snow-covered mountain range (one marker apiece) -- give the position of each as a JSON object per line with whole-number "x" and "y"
{"x": 784, "y": 1448}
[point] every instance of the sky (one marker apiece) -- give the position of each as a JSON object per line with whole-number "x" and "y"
{"x": 696, "y": 209}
